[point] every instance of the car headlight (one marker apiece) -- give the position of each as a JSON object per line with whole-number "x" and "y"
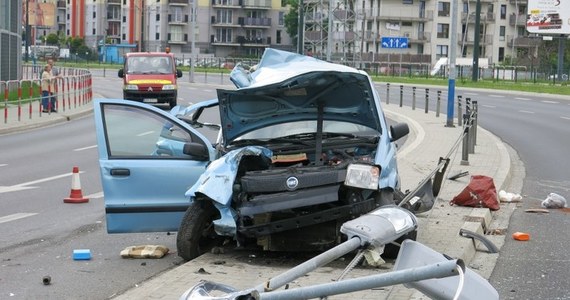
{"x": 131, "y": 87}
{"x": 362, "y": 176}
{"x": 168, "y": 87}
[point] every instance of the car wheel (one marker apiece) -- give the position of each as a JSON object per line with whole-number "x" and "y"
{"x": 172, "y": 103}
{"x": 196, "y": 234}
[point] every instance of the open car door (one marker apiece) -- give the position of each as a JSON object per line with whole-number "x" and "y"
{"x": 145, "y": 170}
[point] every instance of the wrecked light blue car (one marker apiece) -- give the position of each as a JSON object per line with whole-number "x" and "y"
{"x": 300, "y": 147}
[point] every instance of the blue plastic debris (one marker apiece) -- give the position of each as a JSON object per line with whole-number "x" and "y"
{"x": 81, "y": 254}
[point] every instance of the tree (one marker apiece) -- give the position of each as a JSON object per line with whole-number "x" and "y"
{"x": 52, "y": 39}
{"x": 292, "y": 19}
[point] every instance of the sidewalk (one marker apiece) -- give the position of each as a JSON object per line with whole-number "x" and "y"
{"x": 438, "y": 229}
{"x": 429, "y": 140}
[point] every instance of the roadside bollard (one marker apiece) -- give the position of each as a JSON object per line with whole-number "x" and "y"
{"x": 465, "y": 145}
{"x": 473, "y": 129}
{"x": 401, "y": 95}
{"x": 414, "y": 98}
{"x": 469, "y": 112}
{"x": 387, "y": 93}
{"x": 459, "y": 111}
{"x": 427, "y": 101}
{"x": 438, "y": 104}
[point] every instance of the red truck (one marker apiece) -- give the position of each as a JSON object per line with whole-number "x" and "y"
{"x": 150, "y": 77}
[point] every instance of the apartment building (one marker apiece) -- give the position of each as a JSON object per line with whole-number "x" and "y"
{"x": 358, "y": 27}
{"x": 10, "y": 40}
{"x": 222, "y": 27}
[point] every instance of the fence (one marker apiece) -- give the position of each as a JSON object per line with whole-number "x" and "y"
{"x": 23, "y": 97}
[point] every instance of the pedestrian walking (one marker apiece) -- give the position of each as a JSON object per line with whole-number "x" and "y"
{"x": 48, "y": 87}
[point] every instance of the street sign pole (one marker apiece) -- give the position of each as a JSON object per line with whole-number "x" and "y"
{"x": 452, "y": 58}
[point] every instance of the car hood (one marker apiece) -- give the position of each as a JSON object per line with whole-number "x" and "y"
{"x": 288, "y": 87}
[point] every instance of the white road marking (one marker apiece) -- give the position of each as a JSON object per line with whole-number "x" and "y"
{"x": 471, "y": 94}
{"x": 14, "y": 217}
{"x": 490, "y": 106}
{"x": 3, "y": 165}
{"x": 565, "y": 118}
{"x": 526, "y": 112}
{"x": 523, "y": 99}
{"x": 549, "y": 102}
{"x": 95, "y": 195}
{"x": 85, "y": 148}
{"x": 27, "y": 185}
{"x": 145, "y": 133}
{"x": 497, "y": 96}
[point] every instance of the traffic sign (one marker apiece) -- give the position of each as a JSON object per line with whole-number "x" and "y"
{"x": 394, "y": 42}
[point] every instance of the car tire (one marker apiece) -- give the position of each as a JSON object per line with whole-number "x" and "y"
{"x": 196, "y": 234}
{"x": 172, "y": 103}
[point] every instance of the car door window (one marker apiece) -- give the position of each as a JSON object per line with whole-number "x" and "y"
{"x": 133, "y": 132}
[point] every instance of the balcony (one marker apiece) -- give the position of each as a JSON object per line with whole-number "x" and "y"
{"x": 257, "y": 4}
{"x": 61, "y": 4}
{"x": 177, "y": 38}
{"x": 343, "y": 14}
{"x": 343, "y": 36}
{"x": 484, "y": 39}
{"x": 255, "y": 22}
{"x": 315, "y": 36}
{"x": 177, "y": 19}
{"x": 519, "y": 20}
{"x": 407, "y": 16}
{"x": 523, "y": 41}
{"x": 179, "y": 2}
{"x": 254, "y": 42}
{"x": 222, "y": 23}
{"x": 485, "y": 18}
{"x": 226, "y": 3}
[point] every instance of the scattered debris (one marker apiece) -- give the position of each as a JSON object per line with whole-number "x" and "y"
{"x": 202, "y": 271}
{"x": 46, "y": 280}
{"x": 554, "y": 200}
{"x": 81, "y": 254}
{"x": 480, "y": 192}
{"x": 145, "y": 251}
{"x": 458, "y": 175}
{"x": 521, "y": 236}
{"x": 509, "y": 197}
{"x": 536, "y": 210}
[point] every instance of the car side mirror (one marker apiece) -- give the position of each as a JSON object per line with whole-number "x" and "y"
{"x": 399, "y": 131}
{"x": 178, "y": 73}
{"x": 121, "y": 73}
{"x": 197, "y": 151}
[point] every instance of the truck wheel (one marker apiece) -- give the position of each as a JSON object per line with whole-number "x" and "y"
{"x": 196, "y": 234}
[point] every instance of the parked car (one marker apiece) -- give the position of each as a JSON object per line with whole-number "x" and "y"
{"x": 279, "y": 163}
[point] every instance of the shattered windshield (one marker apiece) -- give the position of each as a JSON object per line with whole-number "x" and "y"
{"x": 149, "y": 65}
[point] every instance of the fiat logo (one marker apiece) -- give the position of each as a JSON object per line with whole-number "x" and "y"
{"x": 292, "y": 183}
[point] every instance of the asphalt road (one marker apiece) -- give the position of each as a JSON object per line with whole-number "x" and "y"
{"x": 41, "y": 231}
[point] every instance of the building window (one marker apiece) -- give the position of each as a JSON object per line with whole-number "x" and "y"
{"x": 501, "y": 53}
{"x": 502, "y": 33}
{"x": 158, "y": 17}
{"x": 224, "y": 16}
{"x": 157, "y": 36}
{"x": 408, "y": 2}
{"x": 441, "y": 51}
{"x": 124, "y": 19}
{"x": 442, "y": 31}
{"x": 503, "y": 12}
{"x": 94, "y": 15}
{"x": 94, "y": 31}
{"x": 278, "y": 37}
{"x": 281, "y": 18}
{"x": 443, "y": 9}
{"x": 224, "y": 35}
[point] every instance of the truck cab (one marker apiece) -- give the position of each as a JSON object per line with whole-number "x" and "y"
{"x": 150, "y": 77}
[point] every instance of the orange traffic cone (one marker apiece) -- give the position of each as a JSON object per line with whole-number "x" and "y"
{"x": 76, "y": 196}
